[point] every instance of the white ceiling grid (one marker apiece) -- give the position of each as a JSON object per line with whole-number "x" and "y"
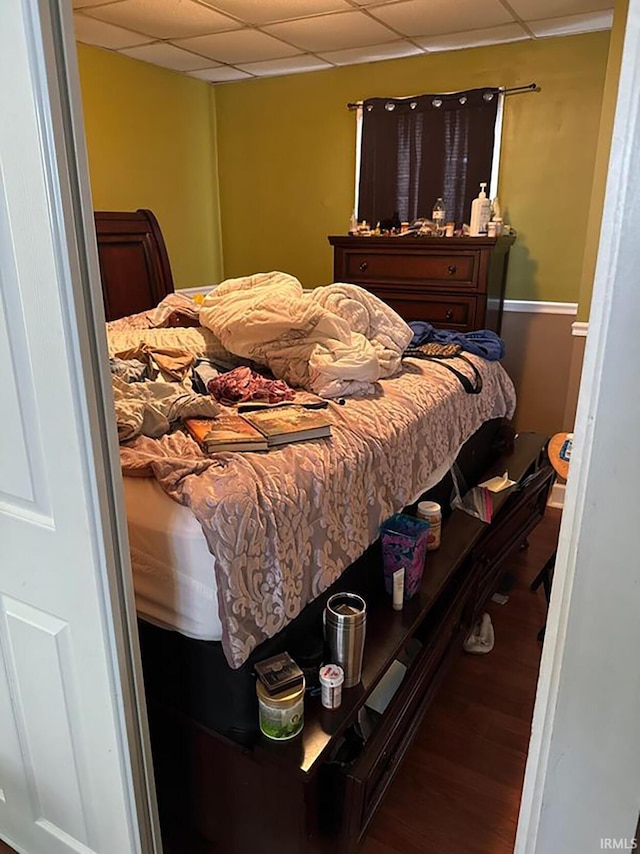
{"x": 225, "y": 40}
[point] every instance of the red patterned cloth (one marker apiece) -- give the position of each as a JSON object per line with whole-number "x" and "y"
{"x": 242, "y": 384}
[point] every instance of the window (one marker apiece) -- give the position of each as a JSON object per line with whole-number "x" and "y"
{"x": 414, "y": 150}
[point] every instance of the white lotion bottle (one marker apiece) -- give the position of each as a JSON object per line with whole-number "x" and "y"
{"x": 398, "y": 589}
{"x": 480, "y": 213}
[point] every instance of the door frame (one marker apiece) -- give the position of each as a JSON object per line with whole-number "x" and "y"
{"x": 56, "y": 82}
{"x": 582, "y": 783}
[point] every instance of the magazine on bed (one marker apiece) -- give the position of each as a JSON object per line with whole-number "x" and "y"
{"x": 289, "y": 424}
{"x": 227, "y": 432}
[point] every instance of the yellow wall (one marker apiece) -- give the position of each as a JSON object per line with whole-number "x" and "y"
{"x": 594, "y": 222}
{"x": 286, "y": 156}
{"x": 151, "y": 144}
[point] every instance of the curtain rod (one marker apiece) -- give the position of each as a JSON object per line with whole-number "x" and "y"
{"x": 531, "y": 87}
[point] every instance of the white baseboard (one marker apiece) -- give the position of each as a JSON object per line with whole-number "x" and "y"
{"x": 201, "y": 289}
{"x": 556, "y": 498}
{"x": 579, "y": 328}
{"x": 540, "y": 306}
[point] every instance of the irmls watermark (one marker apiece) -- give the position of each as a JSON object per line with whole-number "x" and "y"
{"x": 620, "y": 844}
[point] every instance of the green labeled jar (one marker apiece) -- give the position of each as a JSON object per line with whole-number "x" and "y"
{"x": 281, "y": 716}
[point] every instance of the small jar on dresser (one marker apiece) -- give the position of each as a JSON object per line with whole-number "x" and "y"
{"x": 454, "y": 283}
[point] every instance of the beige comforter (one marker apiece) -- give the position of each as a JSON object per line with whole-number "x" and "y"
{"x": 335, "y": 341}
{"x": 282, "y": 526}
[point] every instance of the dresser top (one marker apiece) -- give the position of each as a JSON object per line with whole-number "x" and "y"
{"x": 412, "y": 242}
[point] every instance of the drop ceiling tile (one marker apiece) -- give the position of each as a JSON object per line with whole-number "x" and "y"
{"x": 572, "y": 24}
{"x": 239, "y": 46}
{"x": 475, "y": 38}
{"x": 82, "y": 4}
{"x": 536, "y": 10}
{"x": 354, "y": 56}
{"x": 269, "y": 11}
{"x": 291, "y": 65}
{"x": 333, "y": 32}
{"x": 223, "y": 74}
{"x": 162, "y": 53}
{"x": 90, "y": 31}
{"x": 440, "y": 17}
{"x": 164, "y": 19}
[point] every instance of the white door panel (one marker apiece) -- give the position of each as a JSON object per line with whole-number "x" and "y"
{"x": 67, "y": 779}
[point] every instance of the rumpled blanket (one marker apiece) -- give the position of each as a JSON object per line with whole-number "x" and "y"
{"x": 483, "y": 342}
{"x": 199, "y": 342}
{"x": 335, "y": 341}
{"x": 152, "y": 408}
{"x": 171, "y": 363}
{"x": 283, "y": 526}
{"x": 130, "y": 370}
{"x": 175, "y": 310}
{"x": 243, "y": 384}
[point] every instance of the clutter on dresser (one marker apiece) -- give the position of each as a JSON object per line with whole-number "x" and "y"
{"x": 280, "y": 687}
{"x": 279, "y": 673}
{"x": 331, "y": 682}
{"x": 476, "y": 501}
{"x": 404, "y": 546}
{"x": 345, "y": 623}
{"x": 431, "y": 512}
{"x": 281, "y": 715}
{"x": 307, "y": 652}
{"x": 498, "y": 483}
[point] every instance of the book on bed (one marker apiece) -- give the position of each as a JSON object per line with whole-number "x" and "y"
{"x": 306, "y": 399}
{"x": 289, "y": 424}
{"x": 227, "y": 432}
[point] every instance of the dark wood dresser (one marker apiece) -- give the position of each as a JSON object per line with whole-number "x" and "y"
{"x": 454, "y": 283}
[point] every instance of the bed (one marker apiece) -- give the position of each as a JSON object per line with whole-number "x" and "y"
{"x": 216, "y": 776}
{"x": 407, "y": 447}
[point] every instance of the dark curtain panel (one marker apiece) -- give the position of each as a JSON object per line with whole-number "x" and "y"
{"x": 417, "y": 149}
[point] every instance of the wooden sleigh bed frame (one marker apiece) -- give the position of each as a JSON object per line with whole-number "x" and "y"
{"x": 134, "y": 263}
{"x": 217, "y": 778}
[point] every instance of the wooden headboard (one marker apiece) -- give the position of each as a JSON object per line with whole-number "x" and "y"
{"x": 134, "y": 264}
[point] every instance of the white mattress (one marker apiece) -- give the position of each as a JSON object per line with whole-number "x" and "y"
{"x": 173, "y": 569}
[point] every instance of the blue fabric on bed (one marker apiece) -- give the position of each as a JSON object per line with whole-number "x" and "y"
{"x": 483, "y": 342}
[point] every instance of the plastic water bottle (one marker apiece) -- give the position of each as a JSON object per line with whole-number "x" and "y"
{"x": 438, "y": 215}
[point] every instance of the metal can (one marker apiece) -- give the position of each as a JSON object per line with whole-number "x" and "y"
{"x": 281, "y": 715}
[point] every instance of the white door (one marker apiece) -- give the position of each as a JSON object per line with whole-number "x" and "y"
{"x": 72, "y": 767}
{"x": 582, "y": 784}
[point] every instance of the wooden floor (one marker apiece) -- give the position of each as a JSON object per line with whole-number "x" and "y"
{"x": 459, "y": 787}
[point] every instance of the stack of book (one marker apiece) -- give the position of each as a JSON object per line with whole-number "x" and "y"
{"x": 258, "y": 431}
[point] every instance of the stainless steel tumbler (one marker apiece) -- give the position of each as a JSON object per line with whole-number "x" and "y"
{"x": 345, "y": 622}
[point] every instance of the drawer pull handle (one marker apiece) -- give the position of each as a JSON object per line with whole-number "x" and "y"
{"x": 452, "y": 269}
{"x": 448, "y": 314}
{"x": 363, "y": 266}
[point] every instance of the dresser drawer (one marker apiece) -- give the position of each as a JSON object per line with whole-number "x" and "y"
{"x": 372, "y": 773}
{"x": 457, "y": 268}
{"x": 450, "y": 311}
